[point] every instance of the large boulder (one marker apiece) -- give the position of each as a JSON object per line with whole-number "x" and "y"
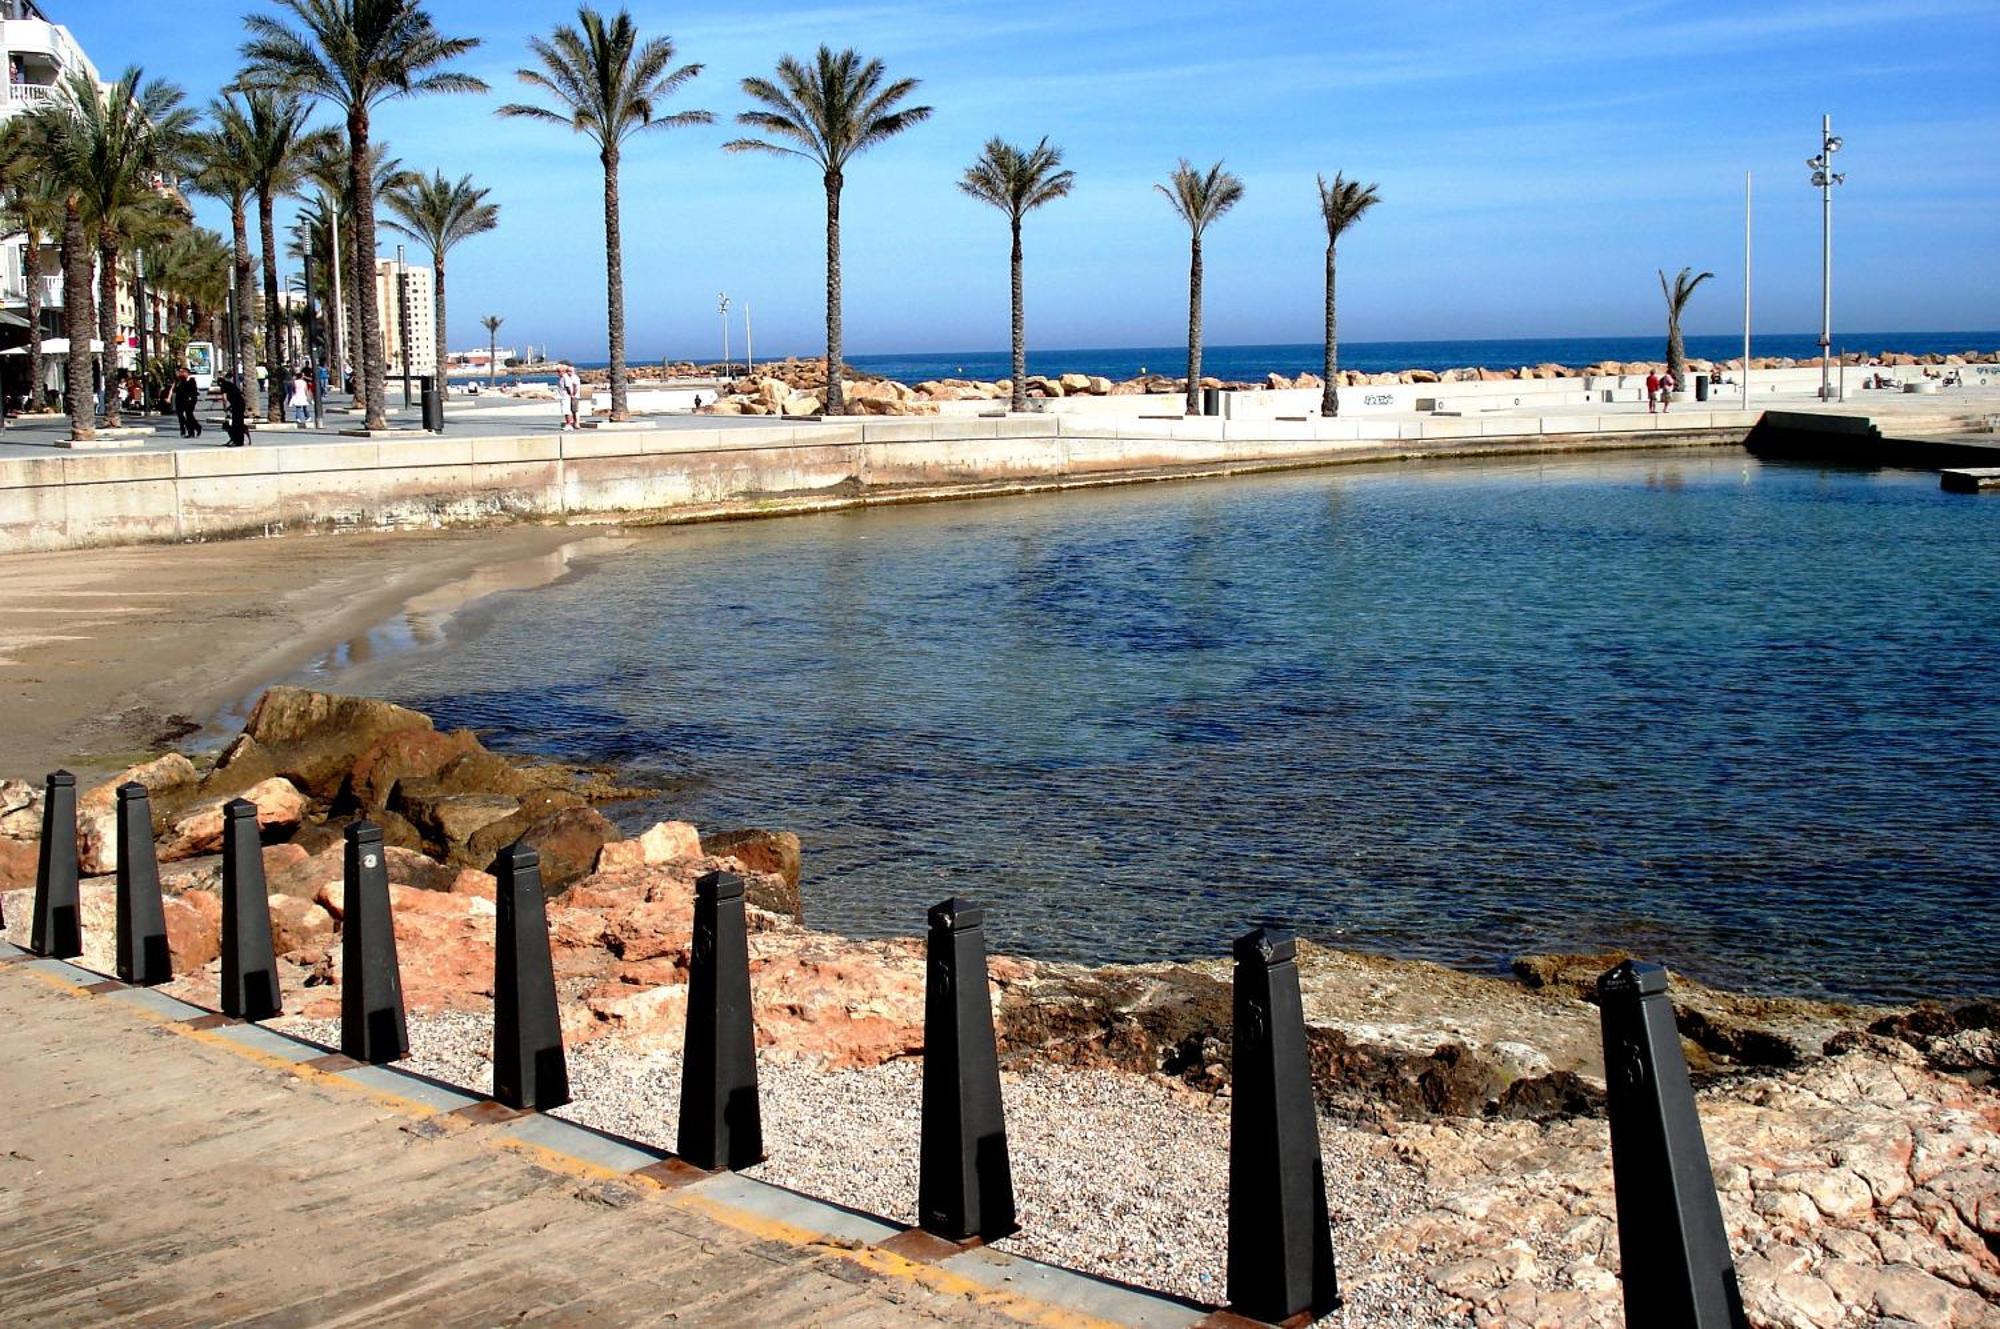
{"x": 19, "y": 861}
{"x": 97, "y": 808}
{"x": 567, "y": 835}
{"x": 448, "y": 822}
{"x": 404, "y": 754}
{"x": 313, "y": 739}
{"x": 774, "y": 852}
{"x": 20, "y": 810}
{"x": 662, "y": 843}
{"x": 280, "y": 806}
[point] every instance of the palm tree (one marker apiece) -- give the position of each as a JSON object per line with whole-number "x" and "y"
{"x": 1678, "y": 294}
{"x": 1199, "y": 199}
{"x": 194, "y": 266}
{"x": 34, "y": 208}
{"x": 1340, "y": 206}
{"x": 222, "y": 172}
{"x": 608, "y": 87}
{"x": 826, "y": 114}
{"x": 1017, "y": 182}
{"x": 355, "y": 55}
{"x": 491, "y": 322}
{"x": 439, "y": 213}
{"x": 114, "y": 149}
{"x": 278, "y": 147}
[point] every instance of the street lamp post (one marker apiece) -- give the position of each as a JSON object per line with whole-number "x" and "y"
{"x": 314, "y": 352}
{"x": 1824, "y": 177}
{"x": 722, "y": 308}
{"x": 403, "y": 320}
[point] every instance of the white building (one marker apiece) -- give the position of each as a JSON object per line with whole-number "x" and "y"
{"x": 39, "y": 55}
{"x": 393, "y": 285}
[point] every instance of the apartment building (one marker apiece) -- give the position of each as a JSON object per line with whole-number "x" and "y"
{"x": 392, "y": 285}
{"x": 39, "y": 54}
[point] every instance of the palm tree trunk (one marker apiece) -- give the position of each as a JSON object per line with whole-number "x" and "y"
{"x": 492, "y": 346}
{"x": 274, "y": 325}
{"x": 245, "y": 287}
{"x": 107, "y": 322}
{"x": 77, "y": 321}
{"x": 1676, "y": 349}
{"x": 1194, "y": 329}
{"x": 353, "y": 311}
{"x": 439, "y": 340}
{"x": 614, "y": 285}
{"x": 835, "y": 402}
{"x": 1019, "y": 401}
{"x": 33, "y": 253}
{"x": 373, "y": 368}
{"x": 1329, "y": 395}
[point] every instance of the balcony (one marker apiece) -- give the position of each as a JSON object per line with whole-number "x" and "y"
{"x": 29, "y": 94}
{"x": 52, "y": 291}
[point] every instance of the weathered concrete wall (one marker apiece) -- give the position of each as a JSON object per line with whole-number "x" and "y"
{"x": 81, "y": 500}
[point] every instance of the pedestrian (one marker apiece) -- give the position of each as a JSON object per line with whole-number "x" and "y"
{"x": 185, "y": 394}
{"x": 233, "y": 408}
{"x": 299, "y": 398}
{"x": 569, "y": 387}
{"x": 1652, "y": 392}
{"x": 1667, "y": 385}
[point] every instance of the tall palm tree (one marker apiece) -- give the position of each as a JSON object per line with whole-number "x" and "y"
{"x": 278, "y": 146}
{"x": 34, "y": 208}
{"x": 439, "y": 213}
{"x": 1017, "y": 182}
{"x": 608, "y": 87}
{"x": 193, "y": 266}
{"x": 329, "y": 168}
{"x": 115, "y": 149}
{"x": 1340, "y": 206}
{"x": 355, "y": 55}
{"x": 826, "y": 113}
{"x": 1678, "y": 293}
{"x": 1199, "y": 199}
{"x": 492, "y": 322}
{"x": 222, "y": 172}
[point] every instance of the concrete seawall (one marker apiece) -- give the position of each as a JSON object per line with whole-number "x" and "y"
{"x": 80, "y": 500}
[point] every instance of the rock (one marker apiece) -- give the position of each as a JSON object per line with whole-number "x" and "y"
{"x": 1308, "y": 381}
{"x": 20, "y": 810}
{"x": 568, "y": 841}
{"x": 663, "y": 843}
{"x": 313, "y": 738}
{"x": 448, "y": 822}
{"x": 97, "y": 808}
{"x": 774, "y": 852}
{"x": 403, "y": 754}
{"x": 20, "y": 860}
{"x": 806, "y": 403}
{"x": 194, "y": 929}
{"x": 199, "y": 830}
{"x": 298, "y": 925}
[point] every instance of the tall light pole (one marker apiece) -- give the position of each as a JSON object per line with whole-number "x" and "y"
{"x": 1824, "y": 177}
{"x": 403, "y": 319}
{"x": 749, "y": 359}
{"x": 722, "y": 308}
{"x": 1745, "y": 376}
{"x": 337, "y": 373}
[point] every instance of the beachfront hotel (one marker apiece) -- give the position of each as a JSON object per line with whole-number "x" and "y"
{"x": 40, "y": 55}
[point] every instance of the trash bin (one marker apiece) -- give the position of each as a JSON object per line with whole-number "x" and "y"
{"x": 433, "y": 402}
{"x": 1701, "y": 387}
{"x": 1211, "y": 401}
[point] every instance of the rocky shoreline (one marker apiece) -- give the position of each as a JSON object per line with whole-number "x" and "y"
{"x": 797, "y": 387}
{"x": 1857, "y": 1149}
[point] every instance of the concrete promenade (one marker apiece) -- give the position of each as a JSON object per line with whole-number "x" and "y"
{"x": 161, "y": 1168}
{"x": 505, "y": 460}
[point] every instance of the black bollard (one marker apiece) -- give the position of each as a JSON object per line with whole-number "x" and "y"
{"x": 965, "y": 1184}
{"x": 143, "y": 958}
{"x": 1672, "y": 1249}
{"x": 371, "y": 986}
{"x": 57, "y": 929}
{"x": 528, "y": 1067}
{"x": 249, "y": 961}
{"x": 721, "y": 1126}
{"x": 1280, "y": 1246}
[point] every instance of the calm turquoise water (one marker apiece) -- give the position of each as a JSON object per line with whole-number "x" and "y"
{"x": 1744, "y": 718}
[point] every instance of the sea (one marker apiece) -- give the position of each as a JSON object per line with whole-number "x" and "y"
{"x": 1251, "y": 363}
{"x": 1736, "y": 716}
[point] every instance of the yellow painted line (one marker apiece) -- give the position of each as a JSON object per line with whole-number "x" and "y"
{"x": 557, "y": 1161}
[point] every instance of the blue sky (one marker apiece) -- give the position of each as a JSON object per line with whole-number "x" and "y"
{"x": 1537, "y": 163}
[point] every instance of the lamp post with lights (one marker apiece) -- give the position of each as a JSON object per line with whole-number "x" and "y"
{"x": 1824, "y": 177}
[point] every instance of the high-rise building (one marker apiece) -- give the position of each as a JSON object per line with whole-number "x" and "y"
{"x": 40, "y": 54}
{"x": 394, "y": 285}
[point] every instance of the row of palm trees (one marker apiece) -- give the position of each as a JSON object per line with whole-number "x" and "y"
{"x": 598, "y": 79}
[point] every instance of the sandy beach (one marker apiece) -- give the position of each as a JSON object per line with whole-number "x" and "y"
{"x": 106, "y": 654}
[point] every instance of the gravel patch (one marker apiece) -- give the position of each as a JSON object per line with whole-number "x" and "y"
{"x": 1115, "y": 1174}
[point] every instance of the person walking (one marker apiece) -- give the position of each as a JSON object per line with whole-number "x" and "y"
{"x": 1652, "y": 392}
{"x": 299, "y": 398}
{"x": 1668, "y": 385}
{"x": 569, "y": 388}
{"x": 185, "y": 395}
{"x": 233, "y": 408}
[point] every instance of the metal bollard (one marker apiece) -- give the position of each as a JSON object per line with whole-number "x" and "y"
{"x": 529, "y": 1070}
{"x": 143, "y": 957}
{"x": 1672, "y": 1249}
{"x": 1280, "y": 1245}
{"x": 249, "y": 961}
{"x": 965, "y": 1184}
{"x": 721, "y": 1125}
{"x": 57, "y": 928}
{"x": 371, "y": 986}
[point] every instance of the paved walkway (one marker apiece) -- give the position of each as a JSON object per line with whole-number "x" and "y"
{"x": 160, "y": 1173}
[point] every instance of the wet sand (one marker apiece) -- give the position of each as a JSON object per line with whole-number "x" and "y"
{"x": 106, "y": 654}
